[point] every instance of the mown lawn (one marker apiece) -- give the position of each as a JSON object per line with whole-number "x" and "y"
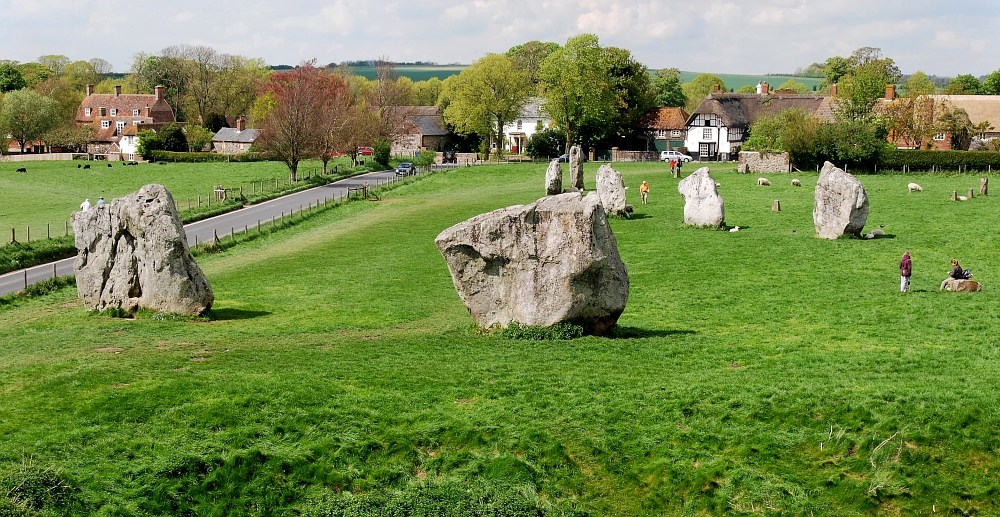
{"x": 758, "y": 372}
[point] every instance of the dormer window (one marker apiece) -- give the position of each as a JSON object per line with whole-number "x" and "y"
{"x": 114, "y": 112}
{"x": 119, "y": 127}
{"x": 135, "y": 112}
{"x": 86, "y": 112}
{"x": 105, "y": 124}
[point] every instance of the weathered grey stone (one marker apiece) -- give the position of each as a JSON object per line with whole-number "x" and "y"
{"x": 553, "y": 178}
{"x": 576, "y": 166}
{"x": 555, "y": 260}
{"x": 611, "y": 190}
{"x": 841, "y": 206}
{"x": 702, "y": 204}
{"x": 133, "y": 253}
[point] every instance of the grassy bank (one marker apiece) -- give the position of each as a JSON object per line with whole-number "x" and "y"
{"x": 763, "y": 371}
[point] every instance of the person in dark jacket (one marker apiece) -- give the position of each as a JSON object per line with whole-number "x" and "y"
{"x": 956, "y": 273}
{"x": 905, "y": 269}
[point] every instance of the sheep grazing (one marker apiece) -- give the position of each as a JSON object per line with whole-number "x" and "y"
{"x": 763, "y": 182}
{"x": 796, "y": 183}
{"x": 913, "y": 187}
{"x": 109, "y": 165}
{"x": 86, "y": 166}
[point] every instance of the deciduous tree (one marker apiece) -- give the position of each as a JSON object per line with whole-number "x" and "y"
{"x": 27, "y": 116}
{"x": 700, "y": 87}
{"x": 486, "y": 96}
{"x": 918, "y": 84}
{"x": 991, "y": 85}
{"x": 965, "y": 84}
{"x": 578, "y": 92}
{"x": 11, "y": 78}
{"x": 666, "y": 83}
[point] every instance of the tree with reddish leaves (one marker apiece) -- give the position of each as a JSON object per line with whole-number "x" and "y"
{"x": 307, "y": 108}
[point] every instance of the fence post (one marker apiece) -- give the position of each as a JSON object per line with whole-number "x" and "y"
{"x": 54, "y": 270}
{"x": 25, "y": 278}
{"x": 67, "y": 229}
{"x": 27, "y": 236}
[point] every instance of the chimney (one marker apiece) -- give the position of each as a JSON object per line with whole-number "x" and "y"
{"x": 159, "y": 92}
{"x": 764, "y": 88}
{"x": 241, "y": 123}
{"x": 118, "y": 90}
{"x": 890, "y": 92}
{"x": 147, "y": 111}
{"x": 90, "y": 90}
{"x": 834, "y": 90}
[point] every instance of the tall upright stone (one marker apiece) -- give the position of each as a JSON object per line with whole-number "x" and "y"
{"x": 611, "y": 190}
{"x": 841, "y": 204}
{"x": 576, "y": 166}
{"x": 702, "y": 204}
{"x": 553, "y": 261}
{"x": 553, "y": 178}
{"x": 132, "y": 253}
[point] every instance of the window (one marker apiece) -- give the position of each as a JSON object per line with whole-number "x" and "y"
{"x": 114, "y": 112}
{"x": 105, "y": 124}
{"x": 706, "y": 134}
{"x": 675, "y": 133}
{"x": 136, "y": 122}
{"x": 518, "y": 125}
{"x": 661, "y": 133}
{"x": 86, "y": 112}
{"x": 135, "y": 112}
{"x": 119, "y": 126}
{"x": 939, "y": 136}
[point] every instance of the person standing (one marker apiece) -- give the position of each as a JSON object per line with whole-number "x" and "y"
{"x": 100, "y": 201}
{"x": 644, "y": 190}
{"x": 85, "y": 205}
{"x": 679, "y": 164}
{"x": 673, "y": 167}
{"x": 905, "y": 269}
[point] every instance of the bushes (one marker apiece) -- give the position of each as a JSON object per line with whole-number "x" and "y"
{"x": 169, "y": 156}
{"x": 924, "y": 160}
{"x": 381, "y": 151}
{"x": 546, "y": 144}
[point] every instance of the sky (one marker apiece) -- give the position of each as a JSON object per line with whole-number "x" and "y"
{"x": 717, "y": 36}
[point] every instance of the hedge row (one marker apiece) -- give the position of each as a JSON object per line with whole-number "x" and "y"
{"x": 170, "y": 156}
{"x": 921, "y": 160}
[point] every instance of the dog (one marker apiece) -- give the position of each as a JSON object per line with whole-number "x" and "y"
{"x": 86, "y": 166}
{"x": 22, "y": 169}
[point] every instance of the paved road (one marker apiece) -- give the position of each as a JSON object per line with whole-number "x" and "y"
{"x": 204, "y": 230}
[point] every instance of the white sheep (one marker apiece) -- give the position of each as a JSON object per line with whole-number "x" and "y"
{"x": 763, "y": 182}
{"x": 914, "y": 187}
{"x": 963, "y": 198}
{"x": 796, "y": 183}
{"x": 877, "y": 232}
{"x": 735, "y": 228}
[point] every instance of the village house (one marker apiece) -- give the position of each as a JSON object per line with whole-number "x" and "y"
{"x": 530, "y": 121}
{"x": 112, "y": 114}
{"x": 666, "y": 128}
{"x": 423, "y": 128}
{"x": 720, "y": 124}
{"x": 925, "y": 111}
{"x": 235, "y": 140}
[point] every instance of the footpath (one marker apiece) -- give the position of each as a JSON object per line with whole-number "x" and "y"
{"x": 221, "y": 225}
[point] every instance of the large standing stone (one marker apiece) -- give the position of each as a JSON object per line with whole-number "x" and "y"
{"x": 553, "y": 178}
{"x": 841, "y": 204}
{"x": 555, "y": 260}
{"x": 702, "y": 204}
{"x": 133, "y": 253}
{"x": 576, "y": 166}
{"x": 611, "y": 190}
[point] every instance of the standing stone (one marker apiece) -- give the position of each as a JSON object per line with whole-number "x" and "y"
{"x": 553, "y": 261}
{"x": 702, "y": 204}
{"x": 611, "y": 190}
{"x": 841, "y": 206}
{"x": 576, "y": 166}
{"x": 553, "y": 178}
{"x": 133, "y": 253}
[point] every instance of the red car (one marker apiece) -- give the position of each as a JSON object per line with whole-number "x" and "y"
{"x": 366, "y": 151}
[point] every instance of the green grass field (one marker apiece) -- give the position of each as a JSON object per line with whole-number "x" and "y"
{"x": 759, "y": 372}
{"x": 52, "y": 190}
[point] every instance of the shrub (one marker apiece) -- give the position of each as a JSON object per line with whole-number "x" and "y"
{"x": 380, "y": 153}
{"x": 927, "y": 159}
{"x": 559, "y": 331}
{"x": 546, "y": 143}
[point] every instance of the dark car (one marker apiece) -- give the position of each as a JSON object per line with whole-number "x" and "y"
{"x": 565, "y": 158}
{"x": 405, "y": 169}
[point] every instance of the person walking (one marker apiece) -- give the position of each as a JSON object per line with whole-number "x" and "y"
{"x": 85, "y": 205}
{"x": 644, "y": 190}
{"x": 679, "y": 164}
{"x": 673, "y": 167}
{"x": 905, "y": 269}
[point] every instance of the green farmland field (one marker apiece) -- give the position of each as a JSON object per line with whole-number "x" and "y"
{"x": 763, "y": 371}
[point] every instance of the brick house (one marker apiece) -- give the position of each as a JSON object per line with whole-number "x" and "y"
{"x": 423, "y": 128}
{"x": 235, "y": 140}
{"x": 111, "y": 114}
{"x": 926, "y": 109}
{"x": 666, "y": 128}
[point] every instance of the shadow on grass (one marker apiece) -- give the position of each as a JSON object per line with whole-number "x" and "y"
{"x": 235, "y": 314}
{"x": 637, "y": 215}
{"x": 622, "y": 332}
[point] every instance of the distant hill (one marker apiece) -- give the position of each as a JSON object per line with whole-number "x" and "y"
{"x": 414, "y": 72}
{"x": 736, "y": 81}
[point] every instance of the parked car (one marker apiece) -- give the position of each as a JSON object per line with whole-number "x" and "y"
{"x": 565, "y": 158}
{"x": 667, "y": 156}
{"x": 405, "y": 169}
{"x": 366, "y": 151}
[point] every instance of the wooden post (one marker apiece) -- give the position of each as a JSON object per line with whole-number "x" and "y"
{"x": 776, "y": 207}
{"x": 970, "y": 193}
{"x": 67, "y": 229}
{"x": 982, "y": 186}
{"x": 48, "y": 231}
{"x": 954, "y": 195}
{"x": 54, "y": 270}
{"x": 25, "y": 278}
{"x": 12, "y": 235}
{"x": 27, "y": 235}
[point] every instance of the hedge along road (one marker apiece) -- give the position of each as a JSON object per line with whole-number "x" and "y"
{"x": 221, "y": 225}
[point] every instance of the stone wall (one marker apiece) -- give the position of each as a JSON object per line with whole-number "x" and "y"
{"x": 618, "y": 155}
{"x": 753, "y": 161}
